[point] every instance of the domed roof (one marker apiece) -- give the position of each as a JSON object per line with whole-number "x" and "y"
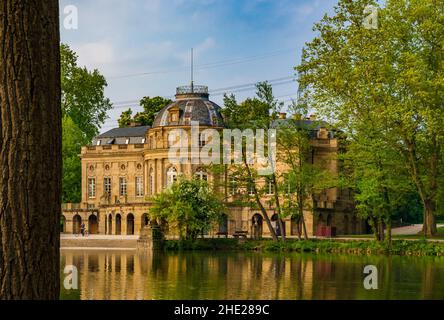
{"x": 192, "y": 104}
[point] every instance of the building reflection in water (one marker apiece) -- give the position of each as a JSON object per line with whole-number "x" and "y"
{"x": 116, "y": 275}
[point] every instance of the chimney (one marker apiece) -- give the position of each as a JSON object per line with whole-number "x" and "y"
{"x": 282, "y": 116}
{"x": 312, "y": 117}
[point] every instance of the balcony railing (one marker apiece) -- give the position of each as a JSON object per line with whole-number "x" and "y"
{"x": 192, "y": 89}
{"x": 113, "y": 148}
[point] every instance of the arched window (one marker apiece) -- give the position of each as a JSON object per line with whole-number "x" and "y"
{"x": 201, "y": 174}
{"x": 130, "y": 224}
{"x": 77, "y": 223}
{"x": 171, "y": 176}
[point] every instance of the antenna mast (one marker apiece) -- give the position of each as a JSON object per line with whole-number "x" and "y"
{"x": 192, "y": 70}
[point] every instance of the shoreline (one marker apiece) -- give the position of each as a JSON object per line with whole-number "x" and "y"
{"x": 353, "y": 247}
{"x": 357, "y": 246}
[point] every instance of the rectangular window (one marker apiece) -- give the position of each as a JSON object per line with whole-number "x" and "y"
{"x": 251, "y": 189}
{"x": 233, "y": 186}
{"x": 139, "y": 187}
{"x": 107, "y": 186}
{"x": 122, "y": 186}
{"x": 91, "y": 187}
{"x": 202, "y": 140}
{"x": 270, "y": 187}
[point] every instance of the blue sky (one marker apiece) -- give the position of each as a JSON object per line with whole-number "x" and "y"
{"x": 251, "y": 41}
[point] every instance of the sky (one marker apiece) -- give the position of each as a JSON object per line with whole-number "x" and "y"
{"x": 143, "y": 47}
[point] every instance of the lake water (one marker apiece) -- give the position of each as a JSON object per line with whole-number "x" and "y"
{"x": 239, "y": 275}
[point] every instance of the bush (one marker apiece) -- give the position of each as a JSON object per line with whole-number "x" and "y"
{"x": 401, "y": 247}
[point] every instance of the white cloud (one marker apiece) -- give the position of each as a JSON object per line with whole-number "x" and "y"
{"x": 95, "y": 54}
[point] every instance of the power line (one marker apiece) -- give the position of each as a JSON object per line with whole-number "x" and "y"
{"x": 220, "y": 91}
{"x": 293, "y": 95}
{"x": 217, "y": 92}
{"x": 217, "y": 64}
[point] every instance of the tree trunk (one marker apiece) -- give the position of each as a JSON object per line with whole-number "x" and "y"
{"x": 374, "y": 226}
{"x": 429, "y": 224}
{"x": 389, "y": 231}
{"x": 299, "y": 225}
{"x": 258, "y": 201}
{"x": 304, "y": 226}
{"x": 278, "y": 207}
{"x": 30, "y": 149}
{"x": 381, "y": 230}
{"x": 429, "y": 228}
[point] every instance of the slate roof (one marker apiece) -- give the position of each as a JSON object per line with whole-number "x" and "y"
{"x": 312, "y": 126}
{"x": 125, "y": 132}
{"x": 130, "y": 135}
{"x": 200, "y": 110}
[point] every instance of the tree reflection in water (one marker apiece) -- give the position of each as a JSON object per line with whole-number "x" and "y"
{"x": 240, "y": 275}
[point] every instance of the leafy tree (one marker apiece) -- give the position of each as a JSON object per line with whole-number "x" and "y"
{"x": 393, "y": 73}
{"x": 256, "y": 113}
{"x": 125, "y": 118}
{"x": 84, "y": 109}
{"x": 83, "y": 96}
{"x": 190, "y": 206}
{"x": 380, "y": 182}
{"x": 303, "y": 178}
{"x": 151, "y": 106}
{"x": 72, "y": 141}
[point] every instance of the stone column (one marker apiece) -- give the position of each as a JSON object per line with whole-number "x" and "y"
{"x": 162, "y": 175}
{"x": 124, "y": 224}
{"x": 156, "y": 176}
{"x": 69, "y": 225}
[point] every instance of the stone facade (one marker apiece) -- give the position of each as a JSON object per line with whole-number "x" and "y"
{"x": 123, "y": 168}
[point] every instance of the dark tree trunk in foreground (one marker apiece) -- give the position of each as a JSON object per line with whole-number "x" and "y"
{"x": 30, "y": 149}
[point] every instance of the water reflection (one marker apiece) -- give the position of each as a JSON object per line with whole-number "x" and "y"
{"x": 113, "y": 275}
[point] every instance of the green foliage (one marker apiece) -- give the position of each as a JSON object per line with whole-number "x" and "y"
{"x": 83, "y": 97}
{"x": 304, "y": 177}
{"x": 384, "y": 88}
{"x": 398, "y": 247}
{"x": 151, "y": 106}
{"x": 190, "y": 206}
{"x": 84, "y": 108}
{"x": 125, "y": 118}
{"x": 72, "y": 140}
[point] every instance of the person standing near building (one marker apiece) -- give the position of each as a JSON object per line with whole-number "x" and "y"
{"x": 82, "y": 229}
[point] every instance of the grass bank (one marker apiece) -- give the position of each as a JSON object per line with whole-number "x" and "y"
{"x": 439, "y": 236}
{"x": 398, "y": 247}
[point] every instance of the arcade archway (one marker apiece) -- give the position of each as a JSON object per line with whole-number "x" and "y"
{"x": 93, "y": 224}
{"x": 130, "y": 224}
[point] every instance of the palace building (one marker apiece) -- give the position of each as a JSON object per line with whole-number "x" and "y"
{"x": 125, "y": 167}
